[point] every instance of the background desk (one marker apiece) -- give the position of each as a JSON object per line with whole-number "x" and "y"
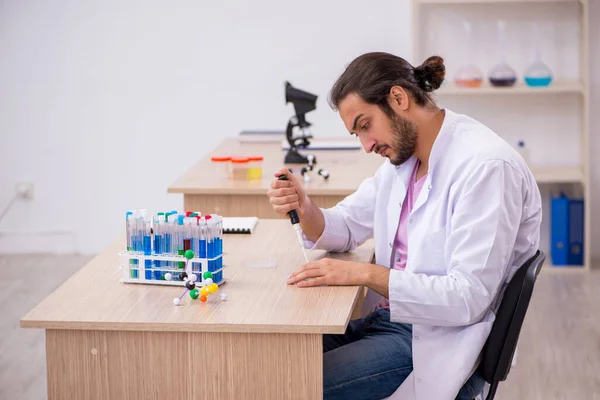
{"x": 202, "y": 191}
{"x": 107, "y": 340}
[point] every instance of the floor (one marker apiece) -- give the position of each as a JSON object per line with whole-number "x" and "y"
{"x": 558, "y": 356}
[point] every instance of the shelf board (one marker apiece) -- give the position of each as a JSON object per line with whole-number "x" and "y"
{"x": 451, "y": 88}
{"x": 494, "y": 1}
{"x": 558, "y": 174}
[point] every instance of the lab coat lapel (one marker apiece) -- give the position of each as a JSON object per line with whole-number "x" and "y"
{"x": 423, "y": 195}
{"x": 436, "y": 152}
{"x": 397, "y": 196}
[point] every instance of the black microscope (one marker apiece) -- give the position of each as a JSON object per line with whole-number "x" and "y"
{"x": 304, "y": 102}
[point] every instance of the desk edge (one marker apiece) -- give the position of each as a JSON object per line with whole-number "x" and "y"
{"x": 168, "y": 327}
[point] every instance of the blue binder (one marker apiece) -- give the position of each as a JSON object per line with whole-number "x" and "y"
{"x": 559, "y": 231}
{"x": 566, "y": 231}
{"x": 576, "y": 232}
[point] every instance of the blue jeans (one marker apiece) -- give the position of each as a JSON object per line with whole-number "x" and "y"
{"x": 372, "y": 359}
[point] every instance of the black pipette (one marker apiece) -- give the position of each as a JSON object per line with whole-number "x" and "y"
{"x": 295, "y": 220}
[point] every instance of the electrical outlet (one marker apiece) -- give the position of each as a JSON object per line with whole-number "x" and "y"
{"x": 25, "y": 190}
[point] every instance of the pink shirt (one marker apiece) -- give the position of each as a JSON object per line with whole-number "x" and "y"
{"x": 400, "y": 250}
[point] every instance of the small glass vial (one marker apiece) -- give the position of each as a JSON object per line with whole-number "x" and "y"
{"x": 239, "y": 168}
{"x": 221, "y": 167}
{"x": 523, "y": 151}
{"x": 255, "y": 167}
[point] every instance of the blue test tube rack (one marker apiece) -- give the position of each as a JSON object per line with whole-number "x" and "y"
{"x": 159, "y": 259}
{"x": 199, "y": 267}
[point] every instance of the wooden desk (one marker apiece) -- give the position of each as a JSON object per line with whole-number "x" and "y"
{"x": 108, "y": 340}
{"x": 202, "y": 191}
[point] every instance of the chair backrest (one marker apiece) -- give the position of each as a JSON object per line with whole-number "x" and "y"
{"x": 500, "y": 347}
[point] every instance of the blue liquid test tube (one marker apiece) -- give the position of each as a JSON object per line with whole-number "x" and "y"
{"x": 212, "y": 243}
{"x": 180, "y": 235}
{"x": 158, "y": 244}
{"x": 137, "y": 239}
{"x": 174, "y": 227}
{"x": 187, "y": 234}
{"x": 218, "y": 247}
{"x": 196, "y": 267}
{"x": 146, "y": 242}
{"x": 202, "y": 251}
{"x": 167, "y": 240}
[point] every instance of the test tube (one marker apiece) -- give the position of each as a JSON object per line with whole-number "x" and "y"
{"x": 211, "y": 242}
{"x": 218, "y": 248}
{"x": 187, "y": 234}
{"x": 128, "y": 229}
{"x": 159, "y": 243}
{"x": 174, "y": 240}
{"x": 129, "y": 233}
{"x": 146, "y": 225}
{"x": 137, "y": 239}
{"x": 195, "y": 231}
{"x": 193, "y": 224}
{"x": 202, "y": 233}
{"x": 220, "y": 273}
{"x": 167, "y": 240}
{"x": 197, "y": 237}
{"x": 180, "y": 234}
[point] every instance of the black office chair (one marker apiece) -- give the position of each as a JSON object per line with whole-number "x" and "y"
{"x": 500, "y": 346}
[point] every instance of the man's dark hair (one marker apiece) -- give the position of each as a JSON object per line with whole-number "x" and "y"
{"x": 372, "y": 75}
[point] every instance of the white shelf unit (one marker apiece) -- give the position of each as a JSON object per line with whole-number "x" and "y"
{"x": 566, "y": 97}
{"x": 494, "y": 1}
{"x": 519, "y": 88}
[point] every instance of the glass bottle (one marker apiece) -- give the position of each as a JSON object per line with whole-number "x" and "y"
{"x": 537, "y": 74}
{"x": 523, "y": 151}
{"x": 502, "y": 74}
{"x": 468, "y": 75}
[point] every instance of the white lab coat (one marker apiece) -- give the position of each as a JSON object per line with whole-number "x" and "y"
{"x": 475, "y": 221}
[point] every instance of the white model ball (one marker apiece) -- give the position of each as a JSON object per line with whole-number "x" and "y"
{"x": 193, "y": 278}
{"x": 208, "y": 281}
{"x": 223, "y": 296}
{"x": 176, "y": 301}
{"x": 168, "y": 276}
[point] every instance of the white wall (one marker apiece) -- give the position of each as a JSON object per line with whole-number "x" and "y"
{"x": 105, "y": 103}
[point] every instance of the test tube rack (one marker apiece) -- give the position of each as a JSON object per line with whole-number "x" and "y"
{"x": 149, "y": 269}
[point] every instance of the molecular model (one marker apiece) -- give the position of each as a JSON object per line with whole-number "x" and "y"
{"x": 207, "y": 286}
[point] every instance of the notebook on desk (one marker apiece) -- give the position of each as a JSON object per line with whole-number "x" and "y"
{"x": 239, "y": 224}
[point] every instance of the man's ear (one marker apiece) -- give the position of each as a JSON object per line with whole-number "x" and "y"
{"x": 398, "y": 98}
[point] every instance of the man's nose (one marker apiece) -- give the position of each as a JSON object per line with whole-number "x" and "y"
{"x": 367, "y": 143}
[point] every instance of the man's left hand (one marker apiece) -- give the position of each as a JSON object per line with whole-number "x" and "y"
{"x": 328, "y": 271}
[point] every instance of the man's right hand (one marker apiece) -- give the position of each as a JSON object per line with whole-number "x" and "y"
{"x": 287, "y": 195}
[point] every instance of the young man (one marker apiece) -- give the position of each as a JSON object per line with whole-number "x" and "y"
{"x": 453, "y": 210}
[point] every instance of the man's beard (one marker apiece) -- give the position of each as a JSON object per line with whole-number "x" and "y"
{"x": 404, "y": 140}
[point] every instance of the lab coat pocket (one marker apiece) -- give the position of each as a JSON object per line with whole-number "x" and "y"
{"x": 432, "y": 252}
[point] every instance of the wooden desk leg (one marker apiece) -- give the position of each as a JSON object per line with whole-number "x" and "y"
{"x": 183, "y": 365}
